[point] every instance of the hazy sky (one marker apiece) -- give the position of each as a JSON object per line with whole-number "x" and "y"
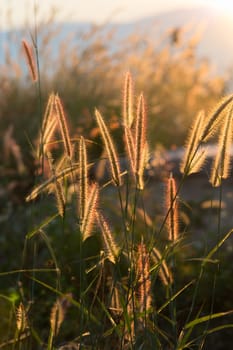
{"x": 15, "y": 12}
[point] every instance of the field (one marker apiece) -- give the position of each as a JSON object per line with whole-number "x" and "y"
{"x": 105, "y": 244}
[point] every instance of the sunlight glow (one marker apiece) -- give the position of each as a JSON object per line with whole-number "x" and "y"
{"x": 14, "y": 13}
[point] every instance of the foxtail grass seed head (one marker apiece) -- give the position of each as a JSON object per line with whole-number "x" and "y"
{"x": 194, "y": 155}
{"x": 140, "y": 136}
{"x": 48, "y": 111}
{"x": 49, "y": 125}
{"x": 21, "y": 318}
{"x": 110, "y": 247}
{"x": 172, "y": 210}
{"x": 63, "y": 126}
{"x": 49, "y": 132}
{"x": 46, "y": 186}
{"x": 83, "y": 180}
{"x": 129, "y": 334}
{"x": 60, "y": 198}
{"x": 130, "y": 147}
{"x": 145, "y": 158}
{"x": 221, "y": 165}
{"x": 28, "y": 52}
{"x": 58, "y": 312}
{"x": 128, "y": 115}
{"x": 59, "y": 193}
{"x": 90, "y": 212}
{"x": 110, "y": 149}
{"x": 214, "y": 117}
{"x": 143, "y": 279}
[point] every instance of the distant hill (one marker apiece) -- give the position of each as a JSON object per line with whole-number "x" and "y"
{"x": 216, "y": 30}
{"x": 216, "y": 42}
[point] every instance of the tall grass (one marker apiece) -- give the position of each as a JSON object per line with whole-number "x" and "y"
{"x": 108, "y": 295}
{"x": 94, "y": 278}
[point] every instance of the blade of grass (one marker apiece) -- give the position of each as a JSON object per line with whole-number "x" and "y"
{"x": 41, "y": 226}
{"x": 216, "y": 247}
{"x": 175, "y": 296}
{"x": 206, "y": 318}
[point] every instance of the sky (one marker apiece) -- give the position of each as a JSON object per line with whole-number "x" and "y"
{"x": 14, "y": 13}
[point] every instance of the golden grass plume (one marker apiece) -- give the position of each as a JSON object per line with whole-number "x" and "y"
{"x": 194, "y": 157}
{"x": 214, "y": 117}
{"x": 111, "y": 249}
{"x": 128, "y": 115}
{"x": 21, "y": 318}
{"x": 110, "y": 149}
{"x": 171, "y": 205}
{"x": 48, "y": 184}
{"x": 90, "y": 212}
{"x": 130, "y": 147}
{"x": 221, "y": 165}
{"x": 143, "y": 279}
{"x": 140, "y": 140}
{"x": 58, "y": 311}
{"x": 60, "y": 113}
{"x": 28, "y": 52}
{"x": 58, "y": 188}
{"x": 49, "y": 125}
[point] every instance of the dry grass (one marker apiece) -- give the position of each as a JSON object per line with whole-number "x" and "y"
{"x": 122, "y": 276}
{"x": 112, "y": 265}
{"x": 30, "y": 58}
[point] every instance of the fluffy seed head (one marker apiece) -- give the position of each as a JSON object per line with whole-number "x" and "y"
{"x": 128, "y": 101}
{"x": 110, "y": 247}
{"x": 49, "y": 125}
{"x": 130, "y": 147}
{"x": 110, "y": 149}
{"x": 140, "y": 136}
{"x": 60, "y": 113}
{"x": 143, "y": 278}
{"x": 58, "y": 312}
{"x": 58, "y": 188}
{"x": 90, "y": 212}
{"x": 214, "y": 117}
{"x": 21, "y": 318}
{"x": 27, "y": 49}
{"x": 194, "y": 156}
{"x": 221, "y": 165}
{"x": 172, "y": 210}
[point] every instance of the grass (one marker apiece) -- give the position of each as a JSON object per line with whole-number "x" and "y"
{"x": 113, "y": 280}
{"x": 95, "y": 269}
